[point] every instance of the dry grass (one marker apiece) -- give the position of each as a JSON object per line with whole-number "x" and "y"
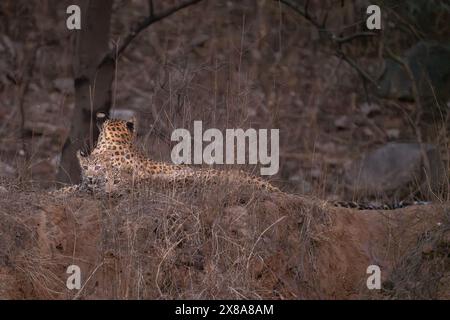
{"x": 423, "y": 272}
{"x": 160, "y": 244}
{"x": 204, "y": 243}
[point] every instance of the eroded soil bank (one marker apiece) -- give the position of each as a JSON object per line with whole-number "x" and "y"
{"x": 213, "y": 245}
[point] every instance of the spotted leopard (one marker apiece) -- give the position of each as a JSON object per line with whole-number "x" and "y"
{"x": 100, "y": 175}
{"x": 116, "y": 165}
{"x": 116, "y": 151}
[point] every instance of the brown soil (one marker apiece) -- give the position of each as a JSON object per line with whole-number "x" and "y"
{"x": 206, "y": 245}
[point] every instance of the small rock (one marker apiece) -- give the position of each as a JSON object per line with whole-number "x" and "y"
{"x": 368, "y": 132}
{"x": 200, "y": 40}
{"x": 369, "y": 109}
{"x": 64, "y": 85}
{"x": 6, "y": 170}
{"x": 393, "y": 134}
{"x": 343, "y": 122}
{"x": 391, "y": 168}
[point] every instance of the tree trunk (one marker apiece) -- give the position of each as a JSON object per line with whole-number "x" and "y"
{"x": 92, "y": 83}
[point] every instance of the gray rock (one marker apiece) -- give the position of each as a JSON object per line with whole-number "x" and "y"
{"x": 395, "y": 170}
{"x": 343, "y": 123}
{"x": 369, "y": 109}
{"x": 393, "y": 133}
{"x": 6, "y": 170}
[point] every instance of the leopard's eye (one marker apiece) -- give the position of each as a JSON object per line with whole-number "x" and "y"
{"x": 97, "y": 167}
{"x": 85, "y": 167}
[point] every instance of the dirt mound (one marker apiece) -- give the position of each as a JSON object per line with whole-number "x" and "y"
{"x": 210, "y": 244}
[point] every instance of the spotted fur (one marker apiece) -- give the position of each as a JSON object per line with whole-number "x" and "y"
{"x": 117, "y": 155}
{"x": 116, "y": 166}
{"x": 376, "y": 205}
{"x": 115, "y": 143}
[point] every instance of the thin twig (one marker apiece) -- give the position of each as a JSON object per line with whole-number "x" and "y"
{"x": 87, "y": 280}
{"x": 23, "y": 91}
{"x": 259, "y": 238}
{"x": 161, "y": 262}
{"x": 355, "y": 66}
{"x": 151, "y": 8}
{"x": 354, "y": 36}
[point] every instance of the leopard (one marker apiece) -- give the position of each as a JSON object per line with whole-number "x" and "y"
{"x": 101, "y": 177}
{"x": 96, "y": 177}
{"x": 116, "y": 164}
{"x": 115, "y": 145}
{"x": 116, "y": 149}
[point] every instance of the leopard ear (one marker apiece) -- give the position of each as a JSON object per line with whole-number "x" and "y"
{"x": 82, "y": 159}
{"x": 101, "y": 117}
{"x": 81, "y": 154}
{"x": 131, "y": 123}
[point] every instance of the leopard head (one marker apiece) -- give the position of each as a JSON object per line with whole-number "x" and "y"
{"x": 95, "y": 173}
{"x": 115, "y": 134}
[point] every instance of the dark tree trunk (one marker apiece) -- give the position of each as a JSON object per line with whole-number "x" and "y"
{"x": 93, "y": 81}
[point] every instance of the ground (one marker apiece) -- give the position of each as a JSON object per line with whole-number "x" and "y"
{"x": 243, "y": 244}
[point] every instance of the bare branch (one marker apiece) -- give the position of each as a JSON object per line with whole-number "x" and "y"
{"x": 355, "y": 66}
{"x": 324, "y": 20}
{"x": 301, "y": 11}
{"x": 330, "y": 36}
{"x": 151, "y": 8}
{"x": 354, "y": 36}
{"x": 114, "y": 54}
{"x": 306, "y": 7}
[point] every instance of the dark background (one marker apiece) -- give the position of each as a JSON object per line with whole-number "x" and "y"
{"x": 234, "y": 64}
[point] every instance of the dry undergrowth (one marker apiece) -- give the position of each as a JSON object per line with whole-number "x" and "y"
{"x": 205, "y": 243}
{"x": 424, "y": 271}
